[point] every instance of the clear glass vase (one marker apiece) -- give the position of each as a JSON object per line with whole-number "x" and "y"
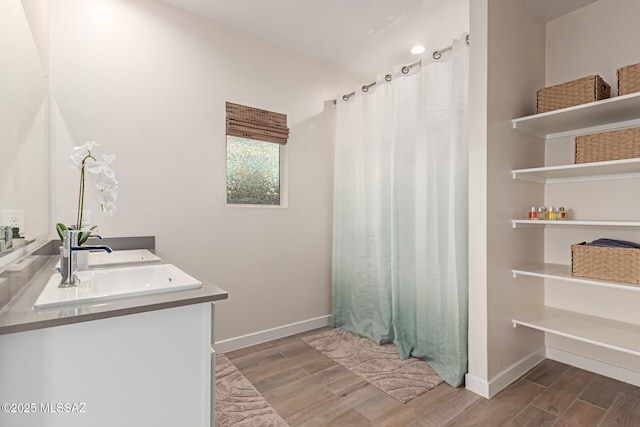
{"x": 82, "y": 260}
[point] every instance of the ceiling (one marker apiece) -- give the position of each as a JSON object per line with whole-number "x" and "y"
{"x": 363, "y": 37}
{"x": 552, "y": 9}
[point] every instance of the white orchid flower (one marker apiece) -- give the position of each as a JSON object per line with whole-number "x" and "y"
{"x": 105, "y": 180}
{"x": 76, "y": 160}
{"x": 107, "y": 184}
{"x": 107, "y": 159}
{"x": 87, "y": 146}
{"x": 109, "y": 208}
{"x": 99, "y": 169}
{"x": 108, "y": 196}
{"x": 102, "y": 167}
{"x": 80, "y": 153}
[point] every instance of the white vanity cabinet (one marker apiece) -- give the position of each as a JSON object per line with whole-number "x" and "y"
{"x": 152, "y": 368}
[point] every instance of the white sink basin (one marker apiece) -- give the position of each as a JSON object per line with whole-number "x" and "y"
{"x": 101, "y": 259}
{"x": 104, "y": 285}
{"x": 97, "y": 259}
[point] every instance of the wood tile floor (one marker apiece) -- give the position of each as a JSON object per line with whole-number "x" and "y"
{"x": 308, "y": 389}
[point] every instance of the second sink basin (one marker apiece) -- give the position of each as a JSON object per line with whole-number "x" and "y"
{"x": 98, "y": 259}
{"x": 104, "y": 285}
{"x": 127, "y": 256}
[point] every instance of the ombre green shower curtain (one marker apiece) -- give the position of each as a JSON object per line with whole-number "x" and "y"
{"x": 400, "y": 270}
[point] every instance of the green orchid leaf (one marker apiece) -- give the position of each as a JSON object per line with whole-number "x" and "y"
{"x": 83, "y": 236}
{"x": 61, "y": 228}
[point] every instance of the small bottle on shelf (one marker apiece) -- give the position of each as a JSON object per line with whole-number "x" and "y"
{"x": 551, "y": 214}
{"x": 533, "y": 214}
{"x": 563, "y": 213}
{"x": 542, "y": 212}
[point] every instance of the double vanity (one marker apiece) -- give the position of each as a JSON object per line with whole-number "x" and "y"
{"x": 130, "y": 345}
{"x": 107, "y": 284}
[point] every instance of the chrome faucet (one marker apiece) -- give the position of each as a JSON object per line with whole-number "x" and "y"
{"x": 68, "y": 257}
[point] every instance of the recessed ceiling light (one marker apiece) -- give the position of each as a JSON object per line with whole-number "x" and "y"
{"x": 417, "y": 50}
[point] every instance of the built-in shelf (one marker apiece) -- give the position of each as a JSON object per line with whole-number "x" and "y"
{"x": 614, "y": 113}
{"x": 519, "y": 223}
{"x": 563, "y": 272}
{"x": 617, "y": 112}
{"x": 613, "y": 169}
{"x": 612, "y": 334}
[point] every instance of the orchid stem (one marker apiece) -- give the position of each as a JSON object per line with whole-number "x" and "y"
{"x": 81, "y": 195}
{"x": 80, "y": 198}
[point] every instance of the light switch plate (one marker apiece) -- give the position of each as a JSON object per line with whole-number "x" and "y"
{"x": 87, "y": 218}
{"x": 14, "y": 219}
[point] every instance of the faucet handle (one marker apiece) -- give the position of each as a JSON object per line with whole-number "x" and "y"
{"x": 75, "y": 235}
{"x": 70, "y": 237}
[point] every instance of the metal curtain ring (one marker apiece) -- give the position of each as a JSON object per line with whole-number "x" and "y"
{"x": 437, "y": 55}
{"x": 405, "y": 69}
{"x": 345, "y": 97}
{"x": 365, "y": 88}
{"x": 388, "y": 77}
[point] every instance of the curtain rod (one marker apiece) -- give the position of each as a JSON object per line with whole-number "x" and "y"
{"x": 436, "y": 55}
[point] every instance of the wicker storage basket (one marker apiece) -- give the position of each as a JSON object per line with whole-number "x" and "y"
{"x": 611, "y": 264}
{"x": 580, "y": 91}
{"x": 629, "y": 79}
{"x": 613, "y": 145}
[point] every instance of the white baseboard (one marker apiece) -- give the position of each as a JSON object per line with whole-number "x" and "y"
{"x": 476, "y": 385}
{"x": 602, "y": 368}
{"x": 488, "y": 389}
{"x": 270, "y": 334}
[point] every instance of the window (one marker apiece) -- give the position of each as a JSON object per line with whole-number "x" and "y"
{"x": 255, "y": 156}
{"x": 253, "y": 172}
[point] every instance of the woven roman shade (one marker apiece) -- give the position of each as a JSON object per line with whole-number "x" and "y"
{"x": 253, "y": 123}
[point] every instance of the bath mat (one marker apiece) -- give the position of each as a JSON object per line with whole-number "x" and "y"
{"x": 238, "y": 403}
{"x": 380, "y": 365}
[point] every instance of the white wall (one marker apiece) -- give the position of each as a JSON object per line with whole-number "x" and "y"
{"x": 478, "y": 321}
{"x": 597, "y": 39}
{"x": 508, "y": 68}
{"x": 37, "y": 13}
{"x": 149, "y": 82}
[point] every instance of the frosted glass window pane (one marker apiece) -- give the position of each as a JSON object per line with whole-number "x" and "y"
{"x": 253, "y": 172}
